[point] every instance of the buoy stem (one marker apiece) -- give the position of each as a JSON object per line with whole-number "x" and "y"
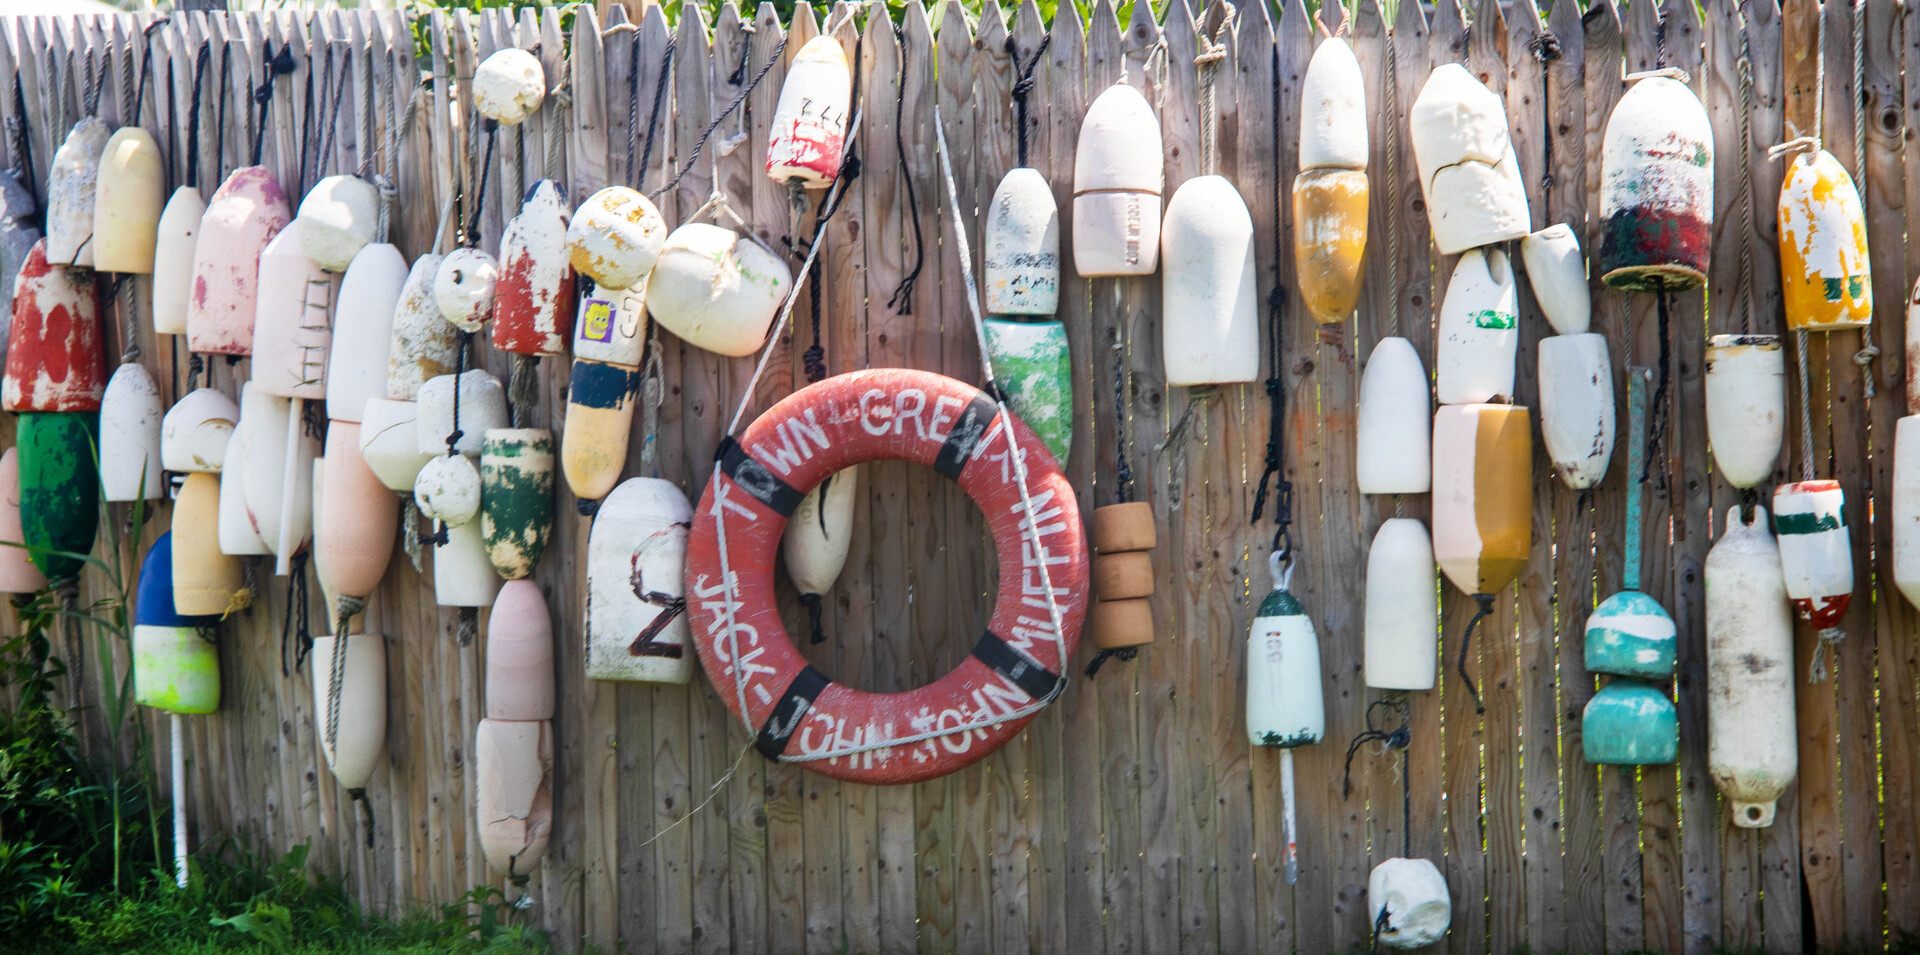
{"x": 1636, "y": 470}
{"x": 179, "y": 802}
{"x": 1287, "y": 816}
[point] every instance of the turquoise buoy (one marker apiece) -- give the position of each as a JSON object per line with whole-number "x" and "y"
{"x": 175, "y": 667}
{"x": 1630, "y": 634}
{"x": 1031, "y": 362}
{"x": 1630, "y": 723}
{"x": 59, "y": 490}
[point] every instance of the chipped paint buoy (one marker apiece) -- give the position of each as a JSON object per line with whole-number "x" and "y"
{"x": 173, "y": 254}
{"x": 462, "y": 574}
{"x": 516, "y": 498}
{"x": 18, "y": 575}
{"x": 615, "y": 236}
{"x": 509, "y": 86}
{"x": 245, "y": 213}
{"x": 1478, "y": 330}
{"x": 336, "y": 220}
{"x": 448, "y": 489}
{"x": 421, "y": 344}
{"x": 130, "y": 415}
{"x": 465, "y": 288}
{"x": 127, "y": 201}
{"x": 1467, "y": 170}
{"x": 1402, "y": 614}
{"x": 613, "y": 326}
{"x": 55, "y": 358}
{"x": 533, "y": 300}
{"x": 1746, "y": 386}
{"x": 1482, "y": 495}
{"x": 1395, "y": 425}
{"x": 716, "y": 289}
{"x": 513, "y": 793}
{"x": 817, "y": 537}
{"x": 636, "y": 589}
{"x": 357, "y": 535}
{"x": 1409, "y": 902}
{"x": 1330, "y": 239}
{"x": 600, "y": 400}
{"x": 1117, "y": 181}
{"x": 195, "y": 431}
{"x": 389, "y": 440}
{"x": 358, "y": 358}
{"x": 810, "y": 119}
{"x": 1656, "y": 189}
{"x": 72, "y": 179}
{"x": 1752, "y": 740}
{"x": 361, "y": 729}
{"x": 292, "y": 322}
{"x": 520, "y": 655}
{"x": 1558, "y": 274}
{"x": 207, "y": 582}
{"x": 1630, "y": 634}
{"x": 1032, "y": 363}
{"x": 1284, "y": 704}
{"x": 1210, "y": 331}
{"x": 1630, "y": 723}
{"x": 1576, "y": 407}
{"x": 1816, "y": 557}
{"x": 1022, "y": 246}
{"x": 18, "y": 234}
{"x": 1826, "y": 277}
{"x": 175, "y": 666}
{"x": 483, "y": 406}
{"x": 59, "y": 491}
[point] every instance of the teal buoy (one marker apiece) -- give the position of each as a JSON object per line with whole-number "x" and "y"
{"x": 1630, "y": 723}
{"x": 1630, "y": 634}
{"x": 59, "y": 490}
{"x": 1031, "y": 362}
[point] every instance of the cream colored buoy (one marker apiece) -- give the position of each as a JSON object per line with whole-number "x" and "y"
{"x": 292, "y": 321}
{"x": 238, "y": 536}
{"x": 256, "y": 451}
{"x": 1656, "y": 189}
{"x": 421, "y": 344}
{"x": 1826, "y": 277}
{"x": 336, "y": 220}
{"x": 173, "y": 254}
{"x": 462, "y": 574}
{"x": 195, "y": 431}
{"x": 130, "y": 417}
{"x": 465, "y": 288}
{"x": 1746, "y": 390}
{"x": 1410, "y": 903}
{"x": 810, "y": 119}
{"x": 615, "y": 236}
{"x": 357, "y": 535}
{"x": 636, "y": 589}
{"x": 1468, "y": 174}
{"x": 1752, "y": 740}
{"x": 1576, "y": 407}
{"x": 1285, "y": 708}
{"x": 1395, "y": 422}
{"x": 358, "y": 362}
{"x": 513, "y": 795}
{"x": 360, "y": 720}
{"x": 206, "y": 582}
{"x": 448, "y": 490}
{"x": 55, "y": 359}
{"x": 1482, "y": 495}
{"x": 1557, "y": 273}
{"x": 516, "y": 498}
{"x": 389, "y": 440}
{"x": 533, "y": 300}
{"x": 1117, "y": 181}
{"x": 1210, "y": 331}
{"x": 716, "y": 289}
{"x": 509, "y": 86}
{"x": 520, "y": 654}
{"x": 127, "y": 202}
{"x": 1816, "y": 557}
{"x": 18, "y": 575}
{"x": 1402, "y": 623}
{"x": 817, "y": 537}
{"x": 482, "y": 406}
{"x": 1906, "y": 507}
{"x": 1022, "y": 246}
{"x": 1478, "y": 330}
{"x": 1330, "y": 193}
{"x": 245, "y": 213}
{"x": 1333, "y": 99}
{"x": 72, "y": 180}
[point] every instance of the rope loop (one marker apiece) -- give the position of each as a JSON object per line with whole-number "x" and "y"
{"x": 1794, "y": 146}
{"x": 1669, "y": 72}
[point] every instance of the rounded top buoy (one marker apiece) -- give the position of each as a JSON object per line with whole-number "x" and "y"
{"x": 1558, "y": 274}
{"x": 196, "y": 431}
{"x": 129, "y": 195}
{"x": 464, "y": 288}
{"x": 72, "y": 178}
{"x": 422, "y": 345}
{"x": 337, "y": 219}
{"x": 447, "y": 489}
{"x": 1656, "y": 189}
{"x": 247, "y": 211}
{"x": 292, "y": 327}
{"x": 1467, "y": 170}
{"x": 1119, "y": 146}
{"x": 716, "y": 289}
{"x": 509, "y": 86}
{"x": 1022, "y": 257}
{"x": 153, "y": 602}
{"x": 810, "y": 120}
{"x": 1826, "y": 278}
{"x": 1333, "y": 107}
{"x": 55, "y": 359}
{"x": 615, "y": 236}
{"x": 520, "y": 654}
{"x": 533, "y": 302}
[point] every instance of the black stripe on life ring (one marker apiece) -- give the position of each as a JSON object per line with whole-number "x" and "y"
{"x": 754, "y": 478}
{"x": 969, "y": 432}
{"x": 1022, "y": 671}
{"x": 786, "y": 716}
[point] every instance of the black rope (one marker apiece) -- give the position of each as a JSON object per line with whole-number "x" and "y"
{"x": 490, "y": 128}
{"x": 193, "y": 115}
{"x": 1749, "y": 499}
{"x": 23, "y": 150}
{"x": 1656, "y": 435}
{"x": 746, "y": 53}
{"x": 1024, "y": 86}
{"x": 1123, "y": 653}
{"x": 812, "y": 603}
{"x": 815, "y": 357}
{"x": 294, "y": 627}
{"x": 146, "y": 68}
{"x": 1123, "y": 468}
{"x": 224, "y": 97}
{"x": 1276, "y": 470}
{"x": 1398, "y": 738}
{"x": 1466, "y": 643}
{"x": 902, "y": 300}
{"x": 366, "y": 811}
{"x": 275, "y": 65}
{"x": 653, "y": 121}
{"x": 459, "y": 373}
{"x": 701, "y": 143}
{"x": 1380, "y": 923}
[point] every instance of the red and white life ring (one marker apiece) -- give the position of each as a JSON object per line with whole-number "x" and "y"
{"x": 800, "y": 714}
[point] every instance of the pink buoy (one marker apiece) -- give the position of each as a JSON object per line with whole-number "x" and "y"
{"x": 520, "y": 654}
{"x": 356, "y": 539}
{"x": 247, "y": 211}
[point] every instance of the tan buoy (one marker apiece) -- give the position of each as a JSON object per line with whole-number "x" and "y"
{"x": 1330, "y": 193}
{"x": 245, "y": 213}
{"x": 336, "y": 220}
{"x": 206, "y": 582}
{"x": 1482, "y": 495}
{"x": 636, "y": 588}
{"x": 72, "y": 179}
{"x": 1210, "y": 331}
{"x": 603, "y": 389}
{"x": 127, "y": 201}
{"x": 357, "y": 359}
{"x": 1826, "y": 276}
{"x": 615, "y": 236}
{"x": 465, "y": 288}
{"x": 173, "y": 254}
{"x": 1124, "y": 537}
{"x": 520, "y": 655}
{"x": 195, "y": 431}
{"x": 810, "y": 119}
{"x": 513, "y": 795}
{"x": 716, "y": 289}
{"x": 1402, "y": 623}
{"x": 1022, "y": 246}
{"x": 1576, "y": 407}
{"x": 1478, "y": 330}
{"x": 533, "y": 300}
{"x": 814, "y": 547}
{"x": 1557, "y": 273}
{"x": 1468, "y": 174}
{"x": 1746, "y": 386}
{"x": 1117, "y": 181}
{"x": 130, "y": 418}
{"x": 1753, "y": 748}
{"x": 292, "y": 321}
{"x": 361, "y": 718}
{"x": 509, "y": 86}
{"x": 1395, "y": 422}
{"x": 17, "y": 573}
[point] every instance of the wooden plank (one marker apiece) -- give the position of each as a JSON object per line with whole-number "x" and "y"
{"x": 1899, "y": 659}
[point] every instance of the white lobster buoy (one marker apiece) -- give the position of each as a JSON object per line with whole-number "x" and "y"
{"x": 337, "y": 220}
{"x": 127, "y": 202}
{"x": 1395, "y": 422}
{"x": 1411, "y": 896}
{"x": 1331, "y": 192}
{"x": 1285, "y": 707}
{"x": 421, "y": 345}
{"x": 1479, "y": 330}
{"x": 1467, "y": 171}
{"x": 1023, "y": 246}
{"x": 173, "y": 255}
{"x": 130, "y": 416}
{"x": 533, "y": 301}
{"x": 1576, "y": 407}
{"x": 810, "y": 119}
{"x": 1117, "y": 181}
{"x": 465, "y": 287}
{"x": 520, "y": 654}
{"x": 246, "y": 212}
{"x": 195, "y": 431}
{"x": 362, "y": 714}
{"x": 1752, "y": 741}
{"x": 1333, "y": 101}
{"x": 389, "y": 440}
{"x": 357, "y": 363}
{"x": 636, "y": 568}
{"x": 1482, "y": 495}
{"x": 483, "y": 405}
{"x": 716, "y": 289}
{"x": 1906, "y": 507}
{"x": 612, "y": 327}
{"x": 1656, "y": 189}
{"x": 292, "y": 321}
{"x": 1403, "y": 616}
{"x": 238, "y": 536}
{"x": 1746, "y": 405}
{"x": 513, "y": 795}
{"x": 72, "y": 178}
{"x": 17, "y": 573}
{"x": 1210, "y": 330}
{"x": 447, "y": 489}
{"x": 1815, "y": 555}
{"x": 615, "y": 236}
{"x": 509, "y": 86}
{"x": 1558, "y": 273}
{"x": 818, "y": 535}
{"x": 462, "y": 574}
{"x": 250, "y": 480}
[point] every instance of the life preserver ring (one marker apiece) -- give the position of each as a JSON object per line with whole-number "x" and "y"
{"x": 800, "y": 714}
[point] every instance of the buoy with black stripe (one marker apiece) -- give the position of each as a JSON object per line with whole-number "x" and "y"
{"x": 817, "y": 538}
{"x": 516, "y": 498}
{"x": 615, "y": 237}
{"x": 1478, "y": 330}
{"x": 1576, "y": 407}
{"x": 1395, "y": 422}
{"x": 636, "y": 589}
{"x": 1209, "y": 330}
{"x": 72, "y": 180}
{"x": 1816, "y": 557}
{"x": 607, "y": 343}
{"x": 176, "y": 664}
{"x": 1557, "y": 273}
{"x": 1752, "y": 740}
{"x": 533, "y": 299}
{"x": 1746, "y": 387}
{"x": 128, "y": 198}
{"x": 1826, "y": 276}
{"x": 55, "y": 356}
{"x": 245, "y": 213}
{"x": 1330, "y": 193}
{"x": 1468, "y": 174}
{"x": 175, "y": 247}
{"x": 336, "y": 220}
{"x": 59, "y": 491}
{"x": 717, "y": 289}
{"x": 18, "y": 575}
{"x": 18, "y": 235}
{"x": 809, "y": 128}
{"x": 1402, "y": 621}
{"x": 1482, "y": 500}
{"x": 1118, "y": 176}
{"x": 130, "y": 417}
{"x": 1656, "y": 188}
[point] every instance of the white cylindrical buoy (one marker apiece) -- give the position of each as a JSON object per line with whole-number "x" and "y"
{"x": 1558, "y": 274}
{"x": 810, "y": 119}
{"x": 612, "y": 326}
{"x": 1410, "y": 903}
{"x": 72, "y": 178}
{"x": 1816, "y": 556}
{"x": 206, "y": 582}
{"x": 1395, "y": 422}
{"x": 509, "y": 86}
{"x": 465, "y": 288}
{"x": 292, "y": 321}
{"x": 483, "y": 405}
{"x": 818, "y": 535}
{"x": 615, "y": 236}
{"x": 1210, "y": 329}
{"x": 1022, "y": 246}
{"x": 1746, "y": 405}
{"x": 1752, "y": 741}
{"x": 238, "y": 536}
{"x": 1467, "y": 170}
{"x": 533, "y": 301}
{"x": 1478, "y": 330}
{"x": 1656, "y": 189}
{"x": 421, "y": 344}
{"x": 1403, "y": 614}
{"x": 1285, "y": 707}
{"x": 195, "y": 431}
{"x": 520, "y": 654}
{"x": 127, "y": 202}
{"x": 130, "y": 416}
{"x": 716, "y": 289}
{"x": 18, "y": 575}
{"x": 357, "y": 365}
{"x": 1906, "y": 507}
{"x": 336, "y": 220}
{"x": 448, "y": 489}
{"x": 1482, "y": 495}
{"x": 245, "y": 213}
{"x": 1826, "y": 276}
{"x": 462, "y": 574}
{"x": 1117, "y": 181}
{"x": 636, "y": 569}
{"x": 250, "y": 477}
{"x": 513, "y": 796}
{"x": 359, "y": 723}
{"x": 1330, "y": 193}
{"x": 389, "y": 441}
{"x": 173, "y": 254}
{"x": 1576, "y": 407}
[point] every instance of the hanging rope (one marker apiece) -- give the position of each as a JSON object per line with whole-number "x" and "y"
{"x": 22, "y": 147}
{"x": 275, "y": 65}
{"x": 329, "y": 135}
{"x": 349, "y": 606}
{"x": 653, "y": 121}
{"x": 490, "y": 128}
{"x": 1750, "y": 227}
{"x": 1398, "y": 738}
{"x": 1466, "y": 644}
{"x": 90, "y": 101}
{"x": 193, "y": 114}
{"x": 1212, "y": 51}
{"x": 1656, "y": 435}
{"x": 559, "y": 114}
{"x": 902, "y": 300}
{"x": 146, "y": 68}
{"x": 1276, "y": 363}
{"x": 1122, "y": 406}
{"x": 701, "y": 143}
{"x": 814, "y": 359}
{"x": 398, "y": 129}
{"x": 1022, "y": 88}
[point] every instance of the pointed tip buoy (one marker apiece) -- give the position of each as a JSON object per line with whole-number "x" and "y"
{"x": 1557, "y": 273}
{"x": 1826, "y": 276}
{"x": 1402, "y": 622}
{"x": 533, "y": 299}
{"x": 174, "y": 248}
{"x": 1395, "y": 422}
{"x": 1210, "y": 329}
{"x": 520, "y": 681}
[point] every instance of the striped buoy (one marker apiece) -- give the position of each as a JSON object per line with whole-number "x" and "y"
{"x": 1210, "y": 331}
{"x": 810, "y": 119}
{"x": 1117, "y": 181}
{"x": 245, "y": 213}
{"x": 1746, "y": 386}
{"x": 516, "y": 498}
{"x": 1022, "y": 255}
{"x": 176, "y": 663}
{"x": 1753, "y": 748}
{"x": 1402, "y": 624}
{"x": 1395, "y": 422}
{"x": 1826, "y": 277}
{"x": 127, "y": 201}
{"x": 533, "y": 300}
{"x": 1468, "y": 175}
{"x": 130, "y": 415}
{"x": 72, "y": 180}
{"x": 175, "y": 247}
{"x": 1816, "y": 556}
{"x": 716, "y": 289}
{"x": 1330, "y": 193}
{"x": 55, "y": 357}
{"x": 18, "y": 575}
{"x": 605, "y": 384}
{"x": 336, "y": 220}
{"x": 636, "y": 588}
{"x": 1576, "y": 407}
{"x": 1557, "y": 272}
{"x": 615, "y": 237}
{"x": 1656, "y": 189}
{"x": 1478, "y": 330}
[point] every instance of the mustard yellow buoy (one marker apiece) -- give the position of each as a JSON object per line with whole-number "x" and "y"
{"x": 1826, "y": 279}
{"x": 1330, "y": 239}
{"x": 206, "y": 582}
{"x": 1482, "y": 494}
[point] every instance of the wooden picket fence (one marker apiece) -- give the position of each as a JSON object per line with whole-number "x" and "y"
{"x": 1132, "y": 816}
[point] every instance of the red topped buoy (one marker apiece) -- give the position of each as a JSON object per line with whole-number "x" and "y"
{"x": 55, "y": 360}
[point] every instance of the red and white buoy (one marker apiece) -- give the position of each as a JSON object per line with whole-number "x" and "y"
{"x": 533, "y": 298}
{"x": 55, "y": 357}
{"x": 810, "y": 119}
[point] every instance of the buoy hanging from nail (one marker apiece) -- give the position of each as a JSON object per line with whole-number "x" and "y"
{"x": 815, "y": 543}
{"x": 1330, "y": 193}
{"x": 18, "y": 575}
{"x": 72, "y": 180}
{"x": 336, "y": 220}
{"x": 1576, "y": 407}
{"x": 1478, "y": 330}
{"x": 716, "y": 289}
{"x": 1746, "y": 389}
{"x": 1022, "y": 247}
{"x": 1402, "y": 623}
{"x": 1826, "y": 277}
{"x": 59, "y": 491}
{"x": 533, "y": 298}
{"x": 175, "y": 662}
{"x": 1816, "y": 556}
{"x": 245, "y": 213}
{"x": 55, "y": 358}
{"x": 636, "y": 589}
{"x": 1210, "y": 331}
{"x": 130, "y": 417}
{"x": 1118, "y": 176}
{"x": 810, "y": 119}
{"x": 615, "y": 237}
{"x": 516, "y": 498}
{"x": 1656, "y": 188}
{"x": 1752, "y": 739}
{"x": 1468, "y": 174}
{"x": 1395, "y": 422}
{"x": 1482, "y": 502}
{"x": 1557, "y": 273}
{"x": 128, "y": 200}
